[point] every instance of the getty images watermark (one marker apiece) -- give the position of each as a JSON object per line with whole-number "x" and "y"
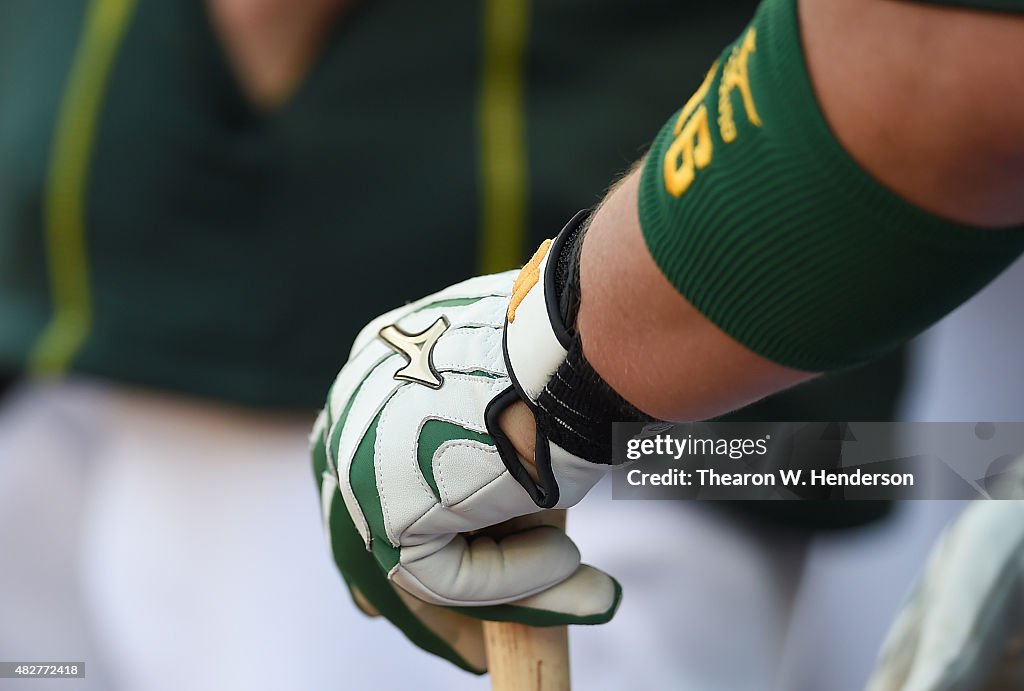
{"x": 818, "y": 461}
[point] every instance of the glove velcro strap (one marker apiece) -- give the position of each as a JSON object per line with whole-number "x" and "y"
{"x": 535, "y": 339}
{"x": 577, "y": 407}
{"x": 573, "y": 407}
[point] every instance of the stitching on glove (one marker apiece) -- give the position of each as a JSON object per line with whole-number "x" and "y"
{"x": 404, "y": 389}
{"x": 496, "y": 352}
{"x": 385, "y": 416}
{"x": 332, "y": 463}
{"x": 459, "y": 325}
{"x": 492, "y": 354}
{"x": 481, "y": 489}
{"x": 400, "y": 390}
{"x": 453, "y": 508}
{"x": 456, "y": 443}
{"x": 474, "y": 425}
{"x": 363, "y": 429}
{"x": 358, "y": 390}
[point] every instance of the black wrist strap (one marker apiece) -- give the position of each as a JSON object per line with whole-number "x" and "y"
{"x": 577, "y": 407}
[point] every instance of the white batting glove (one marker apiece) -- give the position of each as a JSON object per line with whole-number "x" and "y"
{"x": 415, "y": 459}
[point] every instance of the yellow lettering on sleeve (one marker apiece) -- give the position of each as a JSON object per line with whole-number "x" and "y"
{"x": 736, "y": 77}
{"x": 691, "y": 149}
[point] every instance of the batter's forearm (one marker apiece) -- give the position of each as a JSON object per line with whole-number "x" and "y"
{"x": 726, "y": 250}
{"x": 820, "y": 199}
{"x": 646, "y": 340}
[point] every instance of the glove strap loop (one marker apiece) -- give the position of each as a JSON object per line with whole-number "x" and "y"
{"x": 573, "y": 407}
{"x": 544, "y": 493}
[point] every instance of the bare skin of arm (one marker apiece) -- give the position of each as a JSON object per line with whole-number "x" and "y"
{"x": 950, "y": 139}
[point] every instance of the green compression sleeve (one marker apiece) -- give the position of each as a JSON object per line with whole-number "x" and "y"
{"x": 753, "y": 210}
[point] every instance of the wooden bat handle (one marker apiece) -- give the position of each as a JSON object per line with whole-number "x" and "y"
{"x": 525, "y": 658}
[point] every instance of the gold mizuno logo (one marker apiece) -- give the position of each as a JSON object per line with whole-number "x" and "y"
{"x": 419, "y": 349}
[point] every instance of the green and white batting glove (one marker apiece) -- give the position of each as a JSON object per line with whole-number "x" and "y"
{"x": 412, "y": 461}
{"x": 962, "y": 626}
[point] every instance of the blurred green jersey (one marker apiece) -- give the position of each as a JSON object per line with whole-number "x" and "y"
{"x": 157, "y": 230}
